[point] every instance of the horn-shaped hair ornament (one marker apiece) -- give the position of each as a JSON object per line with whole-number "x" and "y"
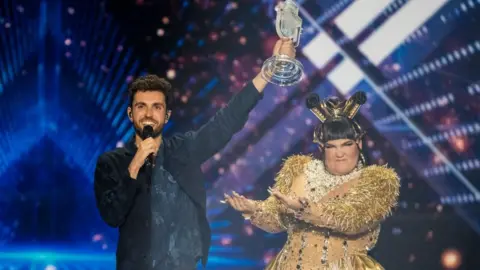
{"x": 332, "y": 108}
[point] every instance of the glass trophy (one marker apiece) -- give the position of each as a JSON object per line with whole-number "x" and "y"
{"x": 281, "y": 69}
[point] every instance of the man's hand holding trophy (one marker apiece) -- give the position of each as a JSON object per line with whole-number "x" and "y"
{"x": 282, "y": 69}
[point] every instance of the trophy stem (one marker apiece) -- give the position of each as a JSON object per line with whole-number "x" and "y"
{"x": 282, "y": 70}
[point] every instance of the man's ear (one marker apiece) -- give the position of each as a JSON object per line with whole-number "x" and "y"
{"x": 167, "y": 116}
{"x": 129, "y": 113}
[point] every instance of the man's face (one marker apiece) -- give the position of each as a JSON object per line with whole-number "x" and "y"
{"x": 149, "y": 108}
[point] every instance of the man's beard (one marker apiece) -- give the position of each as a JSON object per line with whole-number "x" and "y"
{"x": 156, "y": 132}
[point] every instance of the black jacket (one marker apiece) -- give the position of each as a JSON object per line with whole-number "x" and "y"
{"x": 117, "y": 195}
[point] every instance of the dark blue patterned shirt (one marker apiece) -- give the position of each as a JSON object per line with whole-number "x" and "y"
{"x": 173, "y": 215}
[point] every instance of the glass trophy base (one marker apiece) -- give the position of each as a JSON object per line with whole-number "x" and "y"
{"x": 282, "y": 70}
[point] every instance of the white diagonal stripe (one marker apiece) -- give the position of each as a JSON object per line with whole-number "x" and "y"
{"x": 345, "y": 76}
{"x": 320, "y": 50}
{"x": 359, "y": 15}
{"x": 398, "y": 27}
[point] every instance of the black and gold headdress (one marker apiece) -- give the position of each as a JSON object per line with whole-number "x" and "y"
{"x": 333, "y": 108}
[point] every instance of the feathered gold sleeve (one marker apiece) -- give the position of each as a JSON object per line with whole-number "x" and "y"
{"x": 267, "y": 216}
{"x": 363, "y": 205}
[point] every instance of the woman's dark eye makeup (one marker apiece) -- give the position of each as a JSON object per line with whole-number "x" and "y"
{"x": 350, "y": 143}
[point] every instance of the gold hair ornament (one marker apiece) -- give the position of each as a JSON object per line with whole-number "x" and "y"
{"x": 333, "y": 108}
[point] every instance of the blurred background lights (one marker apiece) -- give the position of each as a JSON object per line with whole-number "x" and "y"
{"x": 451, "y": 259}
{"x": 160, "y": 32}
{"x": 171, "y": 73}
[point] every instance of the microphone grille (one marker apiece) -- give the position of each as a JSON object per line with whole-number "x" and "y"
{"x": 147, "y": 132}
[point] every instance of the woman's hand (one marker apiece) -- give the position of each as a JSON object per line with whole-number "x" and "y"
{"x": 292, "y": 203}
{"x": 240, "y": 203}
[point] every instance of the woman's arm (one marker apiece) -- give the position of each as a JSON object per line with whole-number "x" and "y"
{"x": 266, "y": 214}
{"x": 357, "y": 206}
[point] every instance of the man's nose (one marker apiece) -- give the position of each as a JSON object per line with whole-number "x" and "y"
{"x": 149, "y": 112}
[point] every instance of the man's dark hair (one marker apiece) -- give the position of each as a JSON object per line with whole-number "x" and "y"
{"x": 150, "y": 83}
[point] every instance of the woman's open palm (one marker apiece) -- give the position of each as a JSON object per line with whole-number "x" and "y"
{"x": 240, "y": 203}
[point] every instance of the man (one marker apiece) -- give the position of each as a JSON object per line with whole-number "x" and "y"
{"x": 160, "y": 208}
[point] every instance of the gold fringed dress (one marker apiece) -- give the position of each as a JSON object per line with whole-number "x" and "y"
{"x": 344, "y": 223}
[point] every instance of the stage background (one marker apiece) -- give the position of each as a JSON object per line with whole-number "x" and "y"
{"x": 65, "y": 67}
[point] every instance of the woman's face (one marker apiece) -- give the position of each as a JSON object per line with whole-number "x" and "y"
{"x": 341, "y": 156}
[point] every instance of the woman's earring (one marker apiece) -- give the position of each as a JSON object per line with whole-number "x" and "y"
{"x": 362, "y": 158}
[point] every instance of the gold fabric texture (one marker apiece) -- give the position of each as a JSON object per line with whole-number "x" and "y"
{"x": 364, "y": 204}
{"x": 342, "y": 220}
{"x": 353, "y": 262}
{"x": 317, "y": 190}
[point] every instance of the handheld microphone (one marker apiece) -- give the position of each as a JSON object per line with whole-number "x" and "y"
{"x": 148, "y": 133}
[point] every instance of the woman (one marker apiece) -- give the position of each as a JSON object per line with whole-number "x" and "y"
{"x": 331, "y": 208}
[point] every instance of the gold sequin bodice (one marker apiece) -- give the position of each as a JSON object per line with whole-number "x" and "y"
{"x": 308, "y": 247}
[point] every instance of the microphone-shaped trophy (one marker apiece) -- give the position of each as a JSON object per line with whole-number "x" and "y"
{"x": 283, "y": 70}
